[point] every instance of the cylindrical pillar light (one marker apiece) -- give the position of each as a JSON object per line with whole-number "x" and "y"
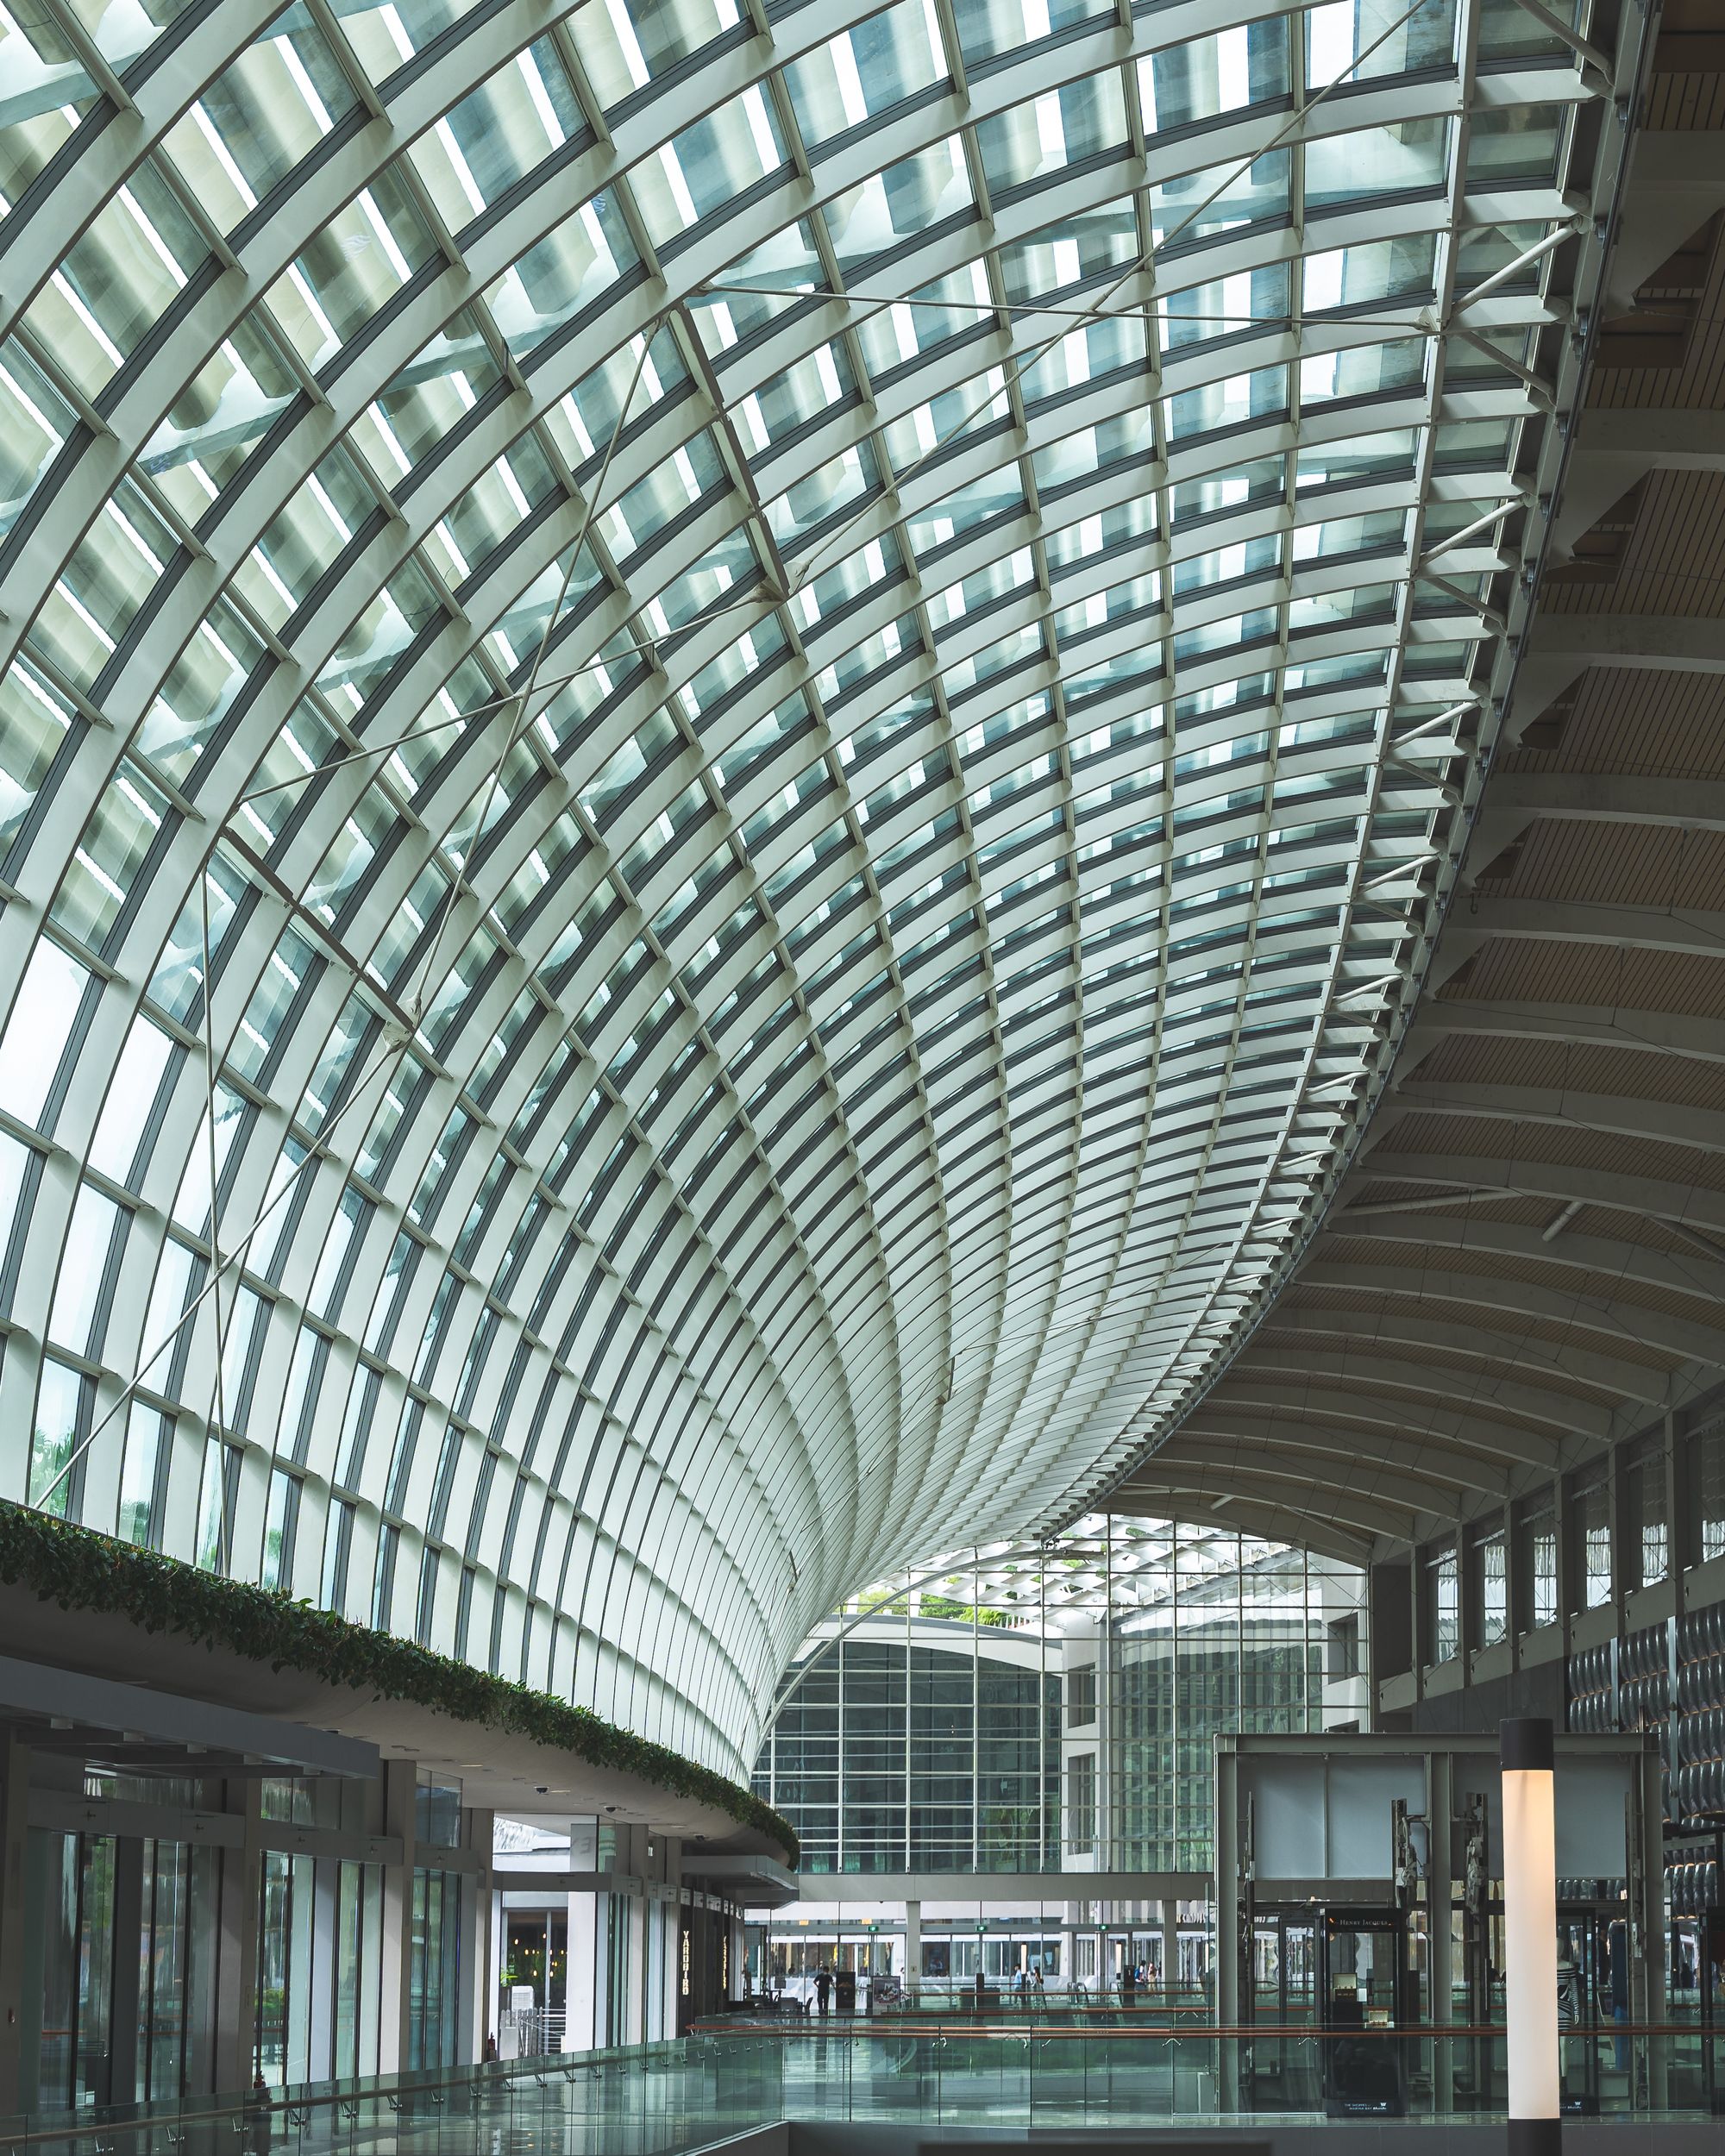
{"x": 1530, "y": 1936}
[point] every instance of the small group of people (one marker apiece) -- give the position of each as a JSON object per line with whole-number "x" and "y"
{"x": 1028, "y": 1989}
{"x": 1134, "y": 1976}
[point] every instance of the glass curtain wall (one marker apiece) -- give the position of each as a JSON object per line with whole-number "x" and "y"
{"x": 320, "y": 1955}
{"x": 1044, "y": 1707}
{"x": 1228, "y": 1634}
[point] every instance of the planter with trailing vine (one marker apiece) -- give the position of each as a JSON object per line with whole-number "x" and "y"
{"x": 80, "y": 1570}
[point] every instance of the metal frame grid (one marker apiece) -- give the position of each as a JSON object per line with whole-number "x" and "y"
{"x": 785, "y": 670}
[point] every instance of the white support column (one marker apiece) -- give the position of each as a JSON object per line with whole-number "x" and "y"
{"x": 478, "y": 1912}
{"x": 1530, "y": 1937}
{"x": 1170, "y": 1947}
{"x": 913, "y": 1947}
{"x": 673, "y": 1914}
{"x": 582, "y": 1986}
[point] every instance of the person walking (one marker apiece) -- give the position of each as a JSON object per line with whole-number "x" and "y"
{"x": 823, "y": 1990}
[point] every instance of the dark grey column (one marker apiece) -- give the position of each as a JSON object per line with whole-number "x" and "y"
{"x": 128, "y": 1915}
{"x": 14, "y": 1805}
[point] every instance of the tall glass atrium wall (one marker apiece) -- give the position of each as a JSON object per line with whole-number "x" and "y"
{"x": 1051, "y": 1707}
{"x": 723, "y": 733}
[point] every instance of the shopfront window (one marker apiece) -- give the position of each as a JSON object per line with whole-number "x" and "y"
{"x": 1648, "y": 1526}
{"x": 536, "y": 1964}
{"x": 1491, "y": 1588}
{"x": 1707, "y": 1455}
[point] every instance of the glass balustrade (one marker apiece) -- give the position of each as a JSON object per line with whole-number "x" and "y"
{"x": 1061, "y": 2067}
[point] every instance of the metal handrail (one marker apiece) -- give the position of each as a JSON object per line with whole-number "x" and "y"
{"x": 893, "y": 2029}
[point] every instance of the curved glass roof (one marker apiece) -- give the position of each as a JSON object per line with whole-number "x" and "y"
{"x": 766, "y": 655}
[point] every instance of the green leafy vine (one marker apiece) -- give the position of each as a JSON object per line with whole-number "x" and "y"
{"x": 78, "y": 1569}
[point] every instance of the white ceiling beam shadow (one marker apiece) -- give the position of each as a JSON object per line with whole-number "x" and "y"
{"x": 1480, "y": 1432}
{"x": 1574, "y": 1024}
{"x": 1560, "y": 648}
{"x": 1676, "y": 182}
{"x": 1221, "y": 1421}
{"x": 1400, "y": 1331}
{"x": 1443, "y": 1279}
{"x": 1676, "y": 1203}
{"x": 1355, "y": 1367}
{"x": 1347, "y": 1509}
{"x": 1615, "y": 450}
{"x": 1417, "y": 1365}
{"x": 1657, "y": 1122}
{"x": 1333, "y": 1479}
{"x": 1691, "y": 932}
{"x": 1442, "y": 1269}
{"x": 1516, "y": 800}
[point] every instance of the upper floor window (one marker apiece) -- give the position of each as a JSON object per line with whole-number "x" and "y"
{"x": 1539, "y": 1565}
{"x": 1593, "y": 1541}
{"x": 1443, "y": 1586}
{"x": 1080, "y": 1696}
{"x": 1707, "y": 1456}
{"x": 1648, "y": 1527}
{"x": 1491, "y": 1588}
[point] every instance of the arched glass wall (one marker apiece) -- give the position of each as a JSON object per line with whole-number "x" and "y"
{"x": 726, "y": 731}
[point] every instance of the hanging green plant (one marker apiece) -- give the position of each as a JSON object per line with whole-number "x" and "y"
{"x": 78, "y": 1569}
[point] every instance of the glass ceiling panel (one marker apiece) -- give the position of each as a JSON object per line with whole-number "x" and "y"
{"x": 744, "y": 728}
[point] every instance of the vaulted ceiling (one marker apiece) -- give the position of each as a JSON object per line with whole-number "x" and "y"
{"x": 734, "y": 733}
